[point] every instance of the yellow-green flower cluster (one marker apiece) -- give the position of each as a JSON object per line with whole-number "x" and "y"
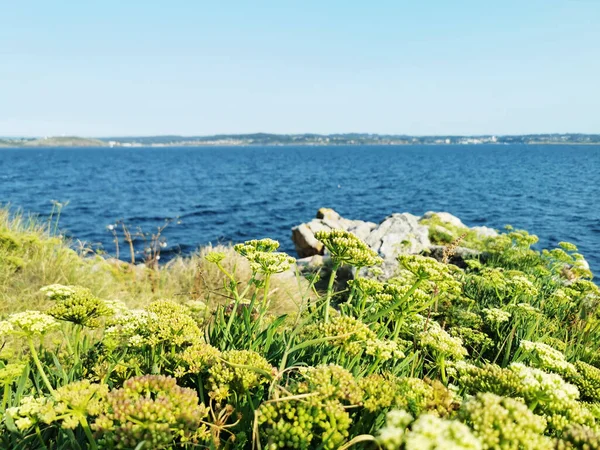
{"x": 71, "y": 405}
{"x": 431, "y": 335}
{"x": 545, "y": 357}
{"x": 346, "y": 248}
{"x": 495, "y": 316}
{"x": 76, "y": 304}
{"x": 256, "y": 245}
{"x": 238, "y": 371}
{"x": 162, "y": 322}
{"x": 78, "y": 401}
{"x": 473, "y": 338}
{"x": 354, "y": 337}
{"x": 10, "y": 372}
{"x": 28, "y": 323}
{"x": 263, "y": 258}
{"x": 154, "y": 410}
{"x": 504, "y": 423}
{"x": 441, "y": 278}
{"x": 303, "y": 424}
{"x": 547, "y": 394}
{"x": 587, "y": 380}
{"x": 379, "y": 392}
{"x": 215, "y": 257}
{"x": 577, "y": 437}
{"x": 115, "y": 307}
{"x": 330, "y": 382}
{"x": 196, "y": 359}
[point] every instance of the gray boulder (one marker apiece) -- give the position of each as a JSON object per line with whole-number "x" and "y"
{"x": 485, "y": 232}
{"x": 445, "y": 218}
{"x": 327, "y": 219}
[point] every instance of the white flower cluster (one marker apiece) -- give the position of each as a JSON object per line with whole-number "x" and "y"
{"x": 550, "y": 388}
{"x": 522, "y": 286}
{"x": 129, "y": 326}
{"x": 28, "y": 323}
{"x": 58, "y": 291}
{"x": 549, "y": 358}
{"x": 116, "y": 306}
{"x": 428, "y": 432}
{"x": 430, "y": 334}
{"x": 382, "y": 349}
{"x": 391, "y": 437}
{"x": 496, "y": 315}
{"x": 432, "y": 433}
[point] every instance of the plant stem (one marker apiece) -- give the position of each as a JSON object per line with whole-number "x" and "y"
{"x": 38, "y": 364}
{"x": 330, "y": 291}
{"x": 88, "y": 433}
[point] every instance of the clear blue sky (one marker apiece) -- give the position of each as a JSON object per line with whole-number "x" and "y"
{"x": 115, "y": 67}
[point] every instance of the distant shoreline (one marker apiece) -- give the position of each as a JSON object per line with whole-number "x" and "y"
{"x": 313, "y": 140}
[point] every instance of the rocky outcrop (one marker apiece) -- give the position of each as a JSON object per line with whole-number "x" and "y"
{"x": 396, "y": 234}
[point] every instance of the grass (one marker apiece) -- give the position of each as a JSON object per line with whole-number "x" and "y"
{"x": 33, "y": 255}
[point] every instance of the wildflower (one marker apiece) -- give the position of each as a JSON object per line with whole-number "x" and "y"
{"x": 238, "y": 371}
{"x": 115, "y": 307}
{"x": 154, "y": 410}
{"x": 432, "y": 433}
{"x": 310, "y": 423}
{"x": 587, "y": 379}
{"x": 28, "y": 323}
{"x": 330, "y": 382}
{"x": 77, "y": 305}
{"x": 501, "y": 422}
{"x": 78, "y": 400}
{"x": 426, "y": 433}
{"x": 346, "y": 248}
{"x": 32, "y": 411}
{"x": 10, "y": 372}
{"x": 256, "y": 245}
{"x": 547, "y": 358}
{"x": 270, "y": 262}
{"x": 351, "y": 334}
{"x": 215, "y": 257}
{"x": 578, "y": 437}
{"x": 431, "y": 335}
{"x": 58, "y": 291}
{"x": 197, "y": 358}
{"x": 163, "y": 321}
{"x": 567, "y": 246}
{"x": 391, "y": 436}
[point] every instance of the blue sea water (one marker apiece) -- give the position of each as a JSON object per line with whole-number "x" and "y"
{"x": 230, "y": 194}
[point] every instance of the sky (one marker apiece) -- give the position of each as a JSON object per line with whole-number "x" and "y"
{"x": 127, "y": 68}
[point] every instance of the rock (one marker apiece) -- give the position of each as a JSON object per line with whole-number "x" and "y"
{"x": 398, "y": 233}
{"x": 305, "y": 242}
{"x": 327, "y": 219}
{"x": 445, "y": 218}
{"x": 362, "y": 229}
{"x": 485, "y": 232}
{"x": 460, "y": 255}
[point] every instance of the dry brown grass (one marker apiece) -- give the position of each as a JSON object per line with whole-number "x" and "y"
{"x": 30, "y": 258}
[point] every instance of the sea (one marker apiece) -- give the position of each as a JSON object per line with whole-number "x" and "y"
{"x": 231, "y": 194}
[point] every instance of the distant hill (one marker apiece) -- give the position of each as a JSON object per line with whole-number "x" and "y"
{"x": 65, "y": 141}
